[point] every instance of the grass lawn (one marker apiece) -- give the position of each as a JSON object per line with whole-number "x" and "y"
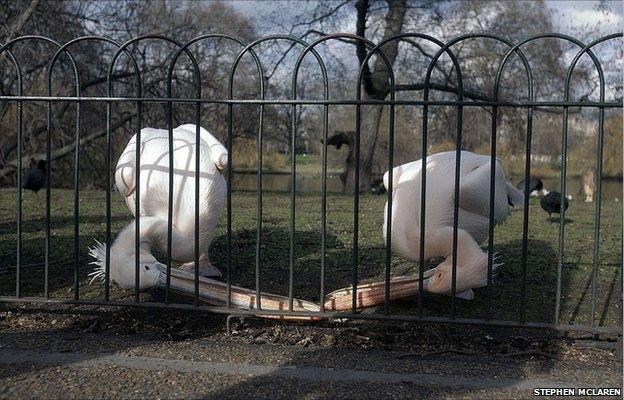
{"x": 311, "y": 164}
{"x": 541, "y": 271}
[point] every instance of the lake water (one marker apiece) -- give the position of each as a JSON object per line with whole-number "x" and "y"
{"x": 611, "y": 188}
{"x": 281, "y": 183}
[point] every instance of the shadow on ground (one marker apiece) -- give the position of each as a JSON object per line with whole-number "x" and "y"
{"x": 393, "y": 348}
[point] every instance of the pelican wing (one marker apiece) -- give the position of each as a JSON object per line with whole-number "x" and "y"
{"x": 516, "y": 197}
{"x": 125, "y": 170}
{"x": 474, "y": 192}
{"x": 218, "y": 152}
{"x": 398, "y": 174}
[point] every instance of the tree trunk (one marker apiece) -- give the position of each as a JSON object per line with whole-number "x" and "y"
{"x": 13, "y": 29}
{"x": 376, "y": 86}
{"x": 371, "y": 118}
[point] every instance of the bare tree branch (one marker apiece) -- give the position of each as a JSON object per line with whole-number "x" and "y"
{"x": 11, "y": 166}
{"x": 10, "y": 145}
{"x": 323, "y": 16}
{"x": 18, "y": 23}
{"x": 473, "y": 95}
{"x": 292, "y": 45}
{"x": 361, "y": 51}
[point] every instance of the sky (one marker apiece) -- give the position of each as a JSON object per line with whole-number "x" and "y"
{"x": 567, "y": 15}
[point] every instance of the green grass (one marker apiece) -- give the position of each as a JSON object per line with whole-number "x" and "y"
{"x": 311, "y": 164}
{"x": 274, "y": 260}
{"x": 307, "y": 164}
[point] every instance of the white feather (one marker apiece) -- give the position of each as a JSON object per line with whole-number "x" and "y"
{"x": 153, "y": 208}
{"x": 473, "y": 214}
{"x": 98, "y": 253}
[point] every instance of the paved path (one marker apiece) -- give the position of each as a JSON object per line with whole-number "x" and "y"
{"x": 316, "y": 374}
{"x": 122, "y": 355}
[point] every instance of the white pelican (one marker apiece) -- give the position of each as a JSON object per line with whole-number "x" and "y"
{"x": 154, "y": 185}
{"x": 154, "y": 188}
{"x": 474, "y": 202}
{"x": 154, "y": 191}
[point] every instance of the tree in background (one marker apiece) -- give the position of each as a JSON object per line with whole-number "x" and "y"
{"x": 372, "y": 19}
{"x": 63, "y": 21}
{"x": 479, "y": 60}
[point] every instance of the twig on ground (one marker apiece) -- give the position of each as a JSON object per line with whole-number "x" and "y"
{"x": 435, "y": 352}
{"x": 538, "y": 353}
{"x": 10, "y": 268}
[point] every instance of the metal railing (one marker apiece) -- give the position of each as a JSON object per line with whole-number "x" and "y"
{"x": 373, "y": 49}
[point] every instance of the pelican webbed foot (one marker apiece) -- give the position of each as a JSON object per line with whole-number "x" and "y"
{"x": 205, "y": 268}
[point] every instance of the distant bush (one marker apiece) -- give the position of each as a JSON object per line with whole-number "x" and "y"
{"x": 245, "y": 157}
{"x": 513, "y": 159}
{"x": 584, "y": 156}
{"x": 612, "y": 158}
{"x": 445, "y": 145}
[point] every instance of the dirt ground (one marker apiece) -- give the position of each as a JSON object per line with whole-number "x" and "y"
{"x": 74, "y": 352}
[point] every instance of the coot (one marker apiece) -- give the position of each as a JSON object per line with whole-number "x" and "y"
{"x": 536, "y": 187}
{"x": 378, "y": 188}
{"x": 551, "y": 203}
{"x": 35, "y": 178}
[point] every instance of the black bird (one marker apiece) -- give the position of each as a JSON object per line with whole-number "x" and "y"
{"x": 551, "y": 203}
{"x": 341, "y": 137}
{"x": 35, "y": 178}
{"x": 378, "y": 188}
{"x": 535, "y": 184}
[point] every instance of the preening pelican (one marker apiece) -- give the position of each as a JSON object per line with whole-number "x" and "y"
{"x": 153, "y": 211}
{"x": 474, "y": 204}
{"x": 473, "y": 219}
{"x": 154, "y": 189}
{"x": 154, "y": 182}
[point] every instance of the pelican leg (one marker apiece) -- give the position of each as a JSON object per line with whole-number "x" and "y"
{"x": 205, "y": 268}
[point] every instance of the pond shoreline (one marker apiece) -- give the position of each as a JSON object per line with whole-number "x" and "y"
{"x": 312, "y": 183}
